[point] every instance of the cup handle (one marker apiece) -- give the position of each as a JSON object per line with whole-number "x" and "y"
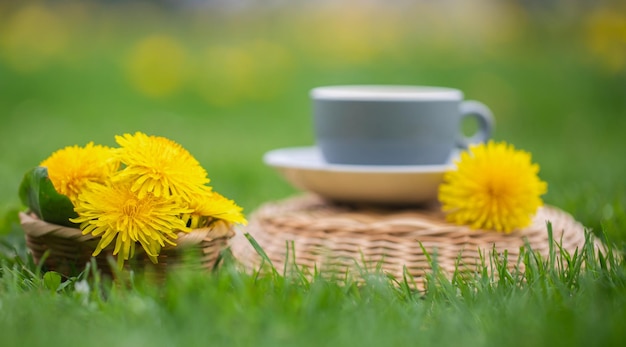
{"x": 485, "y": 119}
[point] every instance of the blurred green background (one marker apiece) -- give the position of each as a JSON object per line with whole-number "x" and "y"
{"x": 229, "y": 80}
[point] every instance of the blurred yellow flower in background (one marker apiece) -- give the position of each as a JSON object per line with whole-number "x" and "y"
{"x": 224, "y": 72}
{"x": 71, "y": 168}
{"x": 115, "y": 212}
{"x": 606, "y": 37}
{"x": 157, "y": 66}
{"x": 344, "y": 34}
{"x": 254, "y": 70}
{"x": 493, "y": 187}
{"x": 33, "y": 36}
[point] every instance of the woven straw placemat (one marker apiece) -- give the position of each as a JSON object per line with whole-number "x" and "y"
{"x": 322, "y": 235}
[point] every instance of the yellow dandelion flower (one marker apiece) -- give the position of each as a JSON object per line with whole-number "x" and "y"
{"x": 115, "y": 212}
{"x": 159, "y": 166}
{"x": 494, "y": 187}
{"x": 72, "y": 167}
{"x": 213, "y": 205}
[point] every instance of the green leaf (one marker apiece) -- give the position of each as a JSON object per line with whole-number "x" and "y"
{"x": 38, "y": 193}
{"x": 52, "y": 280}
{"x": 27, "y": 193}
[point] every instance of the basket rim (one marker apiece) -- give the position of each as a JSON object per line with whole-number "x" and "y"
{"x": 33, "y": 226}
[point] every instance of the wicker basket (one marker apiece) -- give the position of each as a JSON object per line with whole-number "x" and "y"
{"x": 69, "y": 250}
{"x": 342, "y": 238}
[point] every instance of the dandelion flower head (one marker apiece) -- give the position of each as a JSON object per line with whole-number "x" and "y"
{"x": 493, "y": 187}
{"x": 115, "y": 212}
{"x": 212, "y": 205}
{"x": 159, "y": 166}
{"x": 72, "y": 167}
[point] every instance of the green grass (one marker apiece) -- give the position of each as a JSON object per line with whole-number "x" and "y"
{"x": 553, "y": 302}
{"x": 550, "y": 92}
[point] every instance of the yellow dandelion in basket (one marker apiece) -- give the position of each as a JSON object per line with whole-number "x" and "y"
{"x": 159, "y": 166}
{"x": 494, "y": 187}
{"x": 115, "y": 212}
{"x": 72, "y": 167}
{"x": 211, "y": 206}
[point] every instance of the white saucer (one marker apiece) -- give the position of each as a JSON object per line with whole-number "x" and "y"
{"x": 305, "y": 168}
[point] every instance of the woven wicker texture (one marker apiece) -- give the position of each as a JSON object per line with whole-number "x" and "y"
{"x": 69, "y": 250}
{"x": 338, "y": 237}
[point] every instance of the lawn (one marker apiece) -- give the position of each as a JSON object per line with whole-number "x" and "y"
{"x": 229, "y": 84}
